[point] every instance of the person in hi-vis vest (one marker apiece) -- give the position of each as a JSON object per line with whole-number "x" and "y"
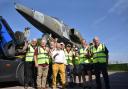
{"x": 85, "y": 63}
{"x": 99, "y": 54}
{"x": 41, "y": 57}
{"x": 76, "y": 69}
{"x": 29, "y": 64}
{"x": 69, "y": 67}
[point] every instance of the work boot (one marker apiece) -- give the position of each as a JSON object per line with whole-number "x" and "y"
{"x": 54, "y": 87}
{"x": 44, "y": 88}
{"x": 86, "y": 87}
{"x": 33, "y": 85}
{"x": 38, "y": 88}
{"x": 80, "y": 84}
{"x": 71, "y": 84}
{"x": 26, "y": 86}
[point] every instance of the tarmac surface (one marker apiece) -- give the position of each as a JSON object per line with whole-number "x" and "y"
{"x": 118, "y": 80}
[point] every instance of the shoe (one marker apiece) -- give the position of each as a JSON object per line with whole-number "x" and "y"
{"x": 87, "y": 87}
{"x": 33, "y": 85}
{"x": 63, "y": 86}
{"x": 26, "y": 86}
{"x": 38, "y": 88}
{"x": 47, "y": 85}
{"x": 44, "y": 88}
{"x": 80, "y": 85}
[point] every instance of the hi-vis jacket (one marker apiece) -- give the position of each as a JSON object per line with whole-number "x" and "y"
{"x": 30, "y": 54}
{"x": 42, "y": 57}
{"x": 69, "y": 57}
{"x": 83, "y": 57}
{"x": 99, "y": 54}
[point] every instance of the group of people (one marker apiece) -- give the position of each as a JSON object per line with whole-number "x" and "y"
{"x": 59, "y": 62}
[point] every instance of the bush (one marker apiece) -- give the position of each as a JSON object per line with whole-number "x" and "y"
{"x": 118, "y": 67}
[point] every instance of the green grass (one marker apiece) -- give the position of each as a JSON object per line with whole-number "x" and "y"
{"x": 118, "y": 67}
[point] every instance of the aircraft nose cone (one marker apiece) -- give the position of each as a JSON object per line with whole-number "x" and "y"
{"x": 23, "y": 10}
{"x": 18, "y": 6}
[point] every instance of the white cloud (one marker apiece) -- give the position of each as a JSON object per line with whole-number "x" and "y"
{"x": 118, "y": 8}
{"x": 118, "y": 4}
{"x": 100, "y": 19}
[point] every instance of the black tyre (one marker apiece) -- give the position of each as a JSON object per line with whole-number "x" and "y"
{"x": 21, "y": 75}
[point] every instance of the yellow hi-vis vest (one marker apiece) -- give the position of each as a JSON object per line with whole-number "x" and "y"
{"x": 76, "y": 60}
{"x": 30, "y": 54}
{"x": 99, "y": 54}
{"x": 83, "y": 58}
{"x": 69, "y": 57}
{"x": 42, "y": 57}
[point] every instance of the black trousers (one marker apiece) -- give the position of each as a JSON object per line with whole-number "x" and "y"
{"x": 30, "y": 73}
{"x": 49, "y": 78}
{"x": 98, "y": 69}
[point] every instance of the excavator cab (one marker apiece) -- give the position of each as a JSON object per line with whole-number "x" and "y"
{"x": 9, "y": 40}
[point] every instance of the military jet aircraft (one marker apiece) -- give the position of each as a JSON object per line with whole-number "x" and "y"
{"x": 50, "y": 25}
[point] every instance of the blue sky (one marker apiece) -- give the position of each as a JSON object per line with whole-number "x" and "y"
{"x": 107, "y": 19}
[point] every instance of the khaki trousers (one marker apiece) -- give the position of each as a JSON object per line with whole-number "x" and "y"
{"x": 42, "y": 76}
{"x": 61, "y": 69}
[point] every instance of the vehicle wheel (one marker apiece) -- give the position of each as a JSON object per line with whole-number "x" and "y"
{"x": 21, "y": 75}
